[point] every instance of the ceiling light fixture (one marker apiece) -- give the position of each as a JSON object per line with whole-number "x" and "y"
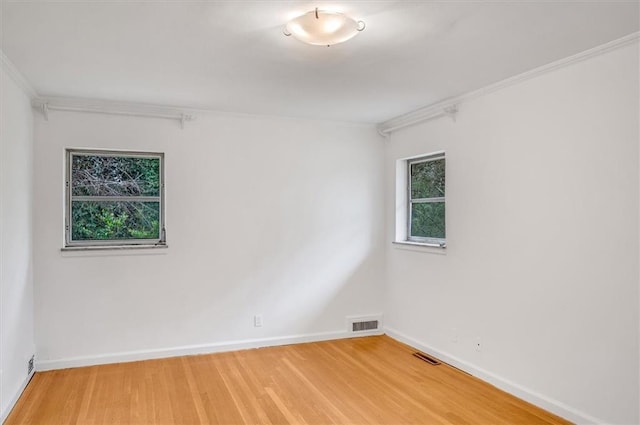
{"x": 323, "y": 27}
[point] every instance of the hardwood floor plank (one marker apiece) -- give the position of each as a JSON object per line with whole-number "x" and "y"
{"x": 373, "y": 380}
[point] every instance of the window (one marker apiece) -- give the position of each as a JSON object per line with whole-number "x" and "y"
{"x": 426, "y": 200}
{"x": 114, "y": 198}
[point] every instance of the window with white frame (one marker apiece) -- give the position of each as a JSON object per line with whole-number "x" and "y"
{"x": 114, "y": 198}
{"x": 426, "y": 200}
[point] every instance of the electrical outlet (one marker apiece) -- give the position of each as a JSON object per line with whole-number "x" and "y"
{"x": 257, "y": 320}
{"x": 478, "y": 344}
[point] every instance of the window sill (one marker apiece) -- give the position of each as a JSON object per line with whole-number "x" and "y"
{"x": 420, "y": 247}
{"x": 112, "y": 250}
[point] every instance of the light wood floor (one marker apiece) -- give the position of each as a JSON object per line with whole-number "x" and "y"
{"x": 373, "y": 380}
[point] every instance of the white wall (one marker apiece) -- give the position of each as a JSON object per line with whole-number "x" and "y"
{"x": 16, "y": 277}
{"x": 542, "y": 235}
{"x": 284, "y": 218}
{"x": 270, "y": 216}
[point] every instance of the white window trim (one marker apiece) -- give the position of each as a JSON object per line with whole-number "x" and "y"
{"x": 403, "y": 204}
{"x": 111, "y": 244}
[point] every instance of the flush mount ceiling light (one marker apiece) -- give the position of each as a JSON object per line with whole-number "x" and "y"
{"x": 323, "y": 27}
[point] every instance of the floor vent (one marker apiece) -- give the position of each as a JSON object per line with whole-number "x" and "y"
{"x": 431, "y": 360}
{"x": 364, "y": 326}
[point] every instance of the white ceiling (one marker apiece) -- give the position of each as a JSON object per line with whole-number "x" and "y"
{"x": 232, "y": 56}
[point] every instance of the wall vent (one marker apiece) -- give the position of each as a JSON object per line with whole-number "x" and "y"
{"x": 367, "y": 325}
{"x": 364, "y": 326}
{"x": 30, "y": 365}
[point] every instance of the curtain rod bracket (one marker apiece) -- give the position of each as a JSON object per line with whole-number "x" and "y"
{"x": 451, "y": 111}
{"x": 45, "y": 111}
{"x": 184, "y": 118}
{"x": 383, "y": 133}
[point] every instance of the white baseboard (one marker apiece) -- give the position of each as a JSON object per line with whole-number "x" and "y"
{"x": 15, "y": 397}
{"x": 519, "y": 391}
{"x": 217, "y": 347}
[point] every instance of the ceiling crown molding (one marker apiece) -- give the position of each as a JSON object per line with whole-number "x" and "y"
{"x": 16, "y": 76}
{"x": 444, "y": 108}
{"x": 46, "y": 104}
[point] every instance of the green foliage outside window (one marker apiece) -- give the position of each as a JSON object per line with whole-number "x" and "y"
{"x": 115, "y": 197}
{"x": 115, "y": 220}
{"x": 427, "y": 180}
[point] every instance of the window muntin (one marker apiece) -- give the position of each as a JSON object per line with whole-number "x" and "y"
{"x": 114, "y": 198}
{"x": 426, "y": 200}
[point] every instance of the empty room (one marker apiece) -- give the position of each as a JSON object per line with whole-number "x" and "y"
{"x": 287, "y": 212}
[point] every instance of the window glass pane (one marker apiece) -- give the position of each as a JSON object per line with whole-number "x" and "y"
{"x": 427, "y": 179}
{"x": 95, "y": 175}
{"x": 115, "y": 220}
{"x": 427, "y": 220}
